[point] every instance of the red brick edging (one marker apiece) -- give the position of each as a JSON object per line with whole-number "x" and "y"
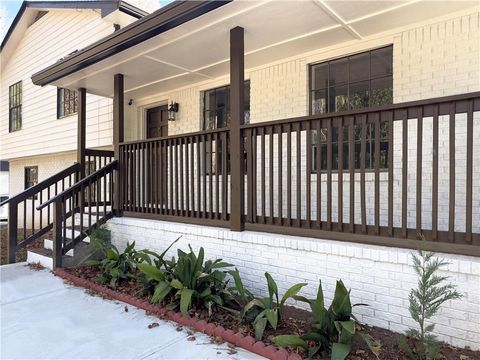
{"x": 240, "y": 340}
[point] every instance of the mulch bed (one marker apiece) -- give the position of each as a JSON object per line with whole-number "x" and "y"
{"x": 296, "y": 321}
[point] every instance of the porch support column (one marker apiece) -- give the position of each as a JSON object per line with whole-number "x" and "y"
{"x": 81, "y": 131}
{"x": 118, "y": 137}
{"x": 237, "y": 101}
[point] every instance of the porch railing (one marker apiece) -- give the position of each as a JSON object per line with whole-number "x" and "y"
{"x": 96, "y": 159}
{"x": 25, "y": 222}
{"x": 380, "y": 175}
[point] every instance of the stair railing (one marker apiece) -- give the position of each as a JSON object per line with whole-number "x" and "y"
{"x": 22, "y": 206}
{"x": 92, "y": 196}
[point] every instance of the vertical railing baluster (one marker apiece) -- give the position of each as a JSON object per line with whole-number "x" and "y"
{"x": 187, "y": 183}
{"x": 248, "y": 149}
{"x": 224, "y": 178}
{"x": 299, "y": 174}
{"x": 351, "y": 170}
{"x": 319, "y": 172}
{"x": 204, "y": 175}
{"x": 389, "y": 116}
{"x": 199, "y": 176}
{"x": 254, "y": 176}
{"x": 404, "y": 171}
{"x": 340, "y": 175}
{"x": 192, "y": 174}
{"x": 270, "y": 176}
{"x": 418, "y": 175}
{"x": 12, "y": 230}
{"x": 170, "y": 192}
{"x": 289, "y": 174}
{"x": 308, "y": 168}
{"x": 376, "y": 119}
{"x": 329, "y": 174}
{"x": 363, "y": 146}
{"x": 57, "y": 234}
{"x": 280, "y": 173}
{"x": 263, "y": 175}
{"x": 451, "y": 155}
{"x": 217, "y": 180}
{"x": 468, "y": 206}
{"x": 177, "y": 183}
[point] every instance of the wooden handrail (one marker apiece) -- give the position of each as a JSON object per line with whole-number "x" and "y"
{"x": 42, "y": 185}
{"x": 177, "y": 136}
{"x": 93, "y": 176}
{"x": 95, "y": 152}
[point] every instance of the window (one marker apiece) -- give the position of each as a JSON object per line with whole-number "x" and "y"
{"x": 349, "y": 83}
{"x": 15, "y": 107}
{"x": 216, "y": 107}
{"x": 66, "y": 102}
{"x": 369, "y": 148}
{"x": 31, "y": 176}
{"x": 352, "y": 82}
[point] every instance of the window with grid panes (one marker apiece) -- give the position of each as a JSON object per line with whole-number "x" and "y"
{"x": 15, "y": 107}
{"x": 349, "y": 83}
{"x": 67, "y": 102}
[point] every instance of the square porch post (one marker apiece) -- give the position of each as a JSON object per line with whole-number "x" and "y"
{"x": 118, "y": 137}
{"x": 237, "y": 101}
{"x": 81, "y": 131}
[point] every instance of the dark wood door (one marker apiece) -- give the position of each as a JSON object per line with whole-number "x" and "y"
{"x": 157, "y": 122}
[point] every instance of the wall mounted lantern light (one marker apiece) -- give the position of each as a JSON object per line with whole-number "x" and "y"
{"x": 172, "y": 109}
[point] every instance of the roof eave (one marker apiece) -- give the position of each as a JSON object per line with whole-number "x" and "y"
{"x": 169, "y": 17}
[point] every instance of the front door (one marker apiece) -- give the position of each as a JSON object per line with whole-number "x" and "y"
{"x": 157, "y": 122}
{"x": 157, "y": 126}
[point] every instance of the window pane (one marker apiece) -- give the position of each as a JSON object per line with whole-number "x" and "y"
{"x": 320, "y": 76}
{"x": 359, "y": 95}
{"x": 382, "y": 92}
{"x": 382, "y": 62}
{"x": 359, "y": 67}
{"x": 338, "y": 98}
{"x": 209, "y": 117}
{"x": 319, "y": 102}
{"x": 338, "y": 72}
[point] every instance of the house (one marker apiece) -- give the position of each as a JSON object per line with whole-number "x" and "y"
{"x": 315, "y": 140}
{"x": 37, "y": 124}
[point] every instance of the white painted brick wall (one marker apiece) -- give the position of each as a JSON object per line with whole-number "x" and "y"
{"x": 379, "y": 276}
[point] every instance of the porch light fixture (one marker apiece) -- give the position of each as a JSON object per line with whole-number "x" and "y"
{"x": 172, "y": 109}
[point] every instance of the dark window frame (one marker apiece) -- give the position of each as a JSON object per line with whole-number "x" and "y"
{"x": 370, "y": 142}
{"x": 226, "y": 88}
{"x": 67, "y": 102}
{"x": 28, "y": 182}
{"x": 15, "y": 101}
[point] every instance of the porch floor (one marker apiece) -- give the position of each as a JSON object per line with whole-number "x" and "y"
{"x": 42, "y": 317}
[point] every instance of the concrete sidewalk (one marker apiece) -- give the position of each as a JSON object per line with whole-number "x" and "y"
{"x": 44, "y": 318}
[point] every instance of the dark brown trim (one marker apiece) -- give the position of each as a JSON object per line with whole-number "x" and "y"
{"x": 179, "y": 219}
{"x": 237, "y": 102}
{"x": 81, "y": 130}
{"x": 118, "y": 135}
{"x": 443, "y": 247}
{"x": 166, "y": 18}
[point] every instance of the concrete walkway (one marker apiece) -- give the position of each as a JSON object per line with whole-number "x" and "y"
{"x": 44, "y": 318}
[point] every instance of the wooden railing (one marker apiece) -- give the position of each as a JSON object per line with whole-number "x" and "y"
{"x": 96, "y": 159}
{"x": 186, "y": 177}
{"x": 406, "y": 170}
{"x": 91, "y": 197}
{"x": 25, "y": 222}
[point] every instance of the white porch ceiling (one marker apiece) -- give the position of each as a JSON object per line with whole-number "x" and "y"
{"x": 199, "y": 49}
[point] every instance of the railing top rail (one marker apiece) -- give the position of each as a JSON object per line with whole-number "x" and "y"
{"x": 367, "y": 110}
{"x": 96, "y": 152}
{"x": 93, "y": 176}
{"x": 42, "y": 185}
{"x": 177, "y": 136}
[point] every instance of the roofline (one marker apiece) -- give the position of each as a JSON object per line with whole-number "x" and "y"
{"x": 106, "y": 7}
{"x": 166, "y": 18}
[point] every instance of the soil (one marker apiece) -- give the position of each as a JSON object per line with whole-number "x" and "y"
{"x": 295, "y": 321}
{"x": 21, "y": 254}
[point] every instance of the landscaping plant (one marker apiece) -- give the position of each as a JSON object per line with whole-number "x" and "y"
{"x": 425, "y": 300}
{"x": 115, "y": 265}
{"x": 269, "y": 309}
{"x": 189, "y": 281}
{"x": 333, "y": 330}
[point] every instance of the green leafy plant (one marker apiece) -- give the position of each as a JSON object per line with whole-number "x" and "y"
{"x": 333, "y": 329}
{"x": 241, "y": 296}
{"x": 189, "y": 280}
{"x": 154, "y": 269}
{"x": 115, "y": 265}
{"x": 269, "y": 309}
{"x": 425, "y": 301}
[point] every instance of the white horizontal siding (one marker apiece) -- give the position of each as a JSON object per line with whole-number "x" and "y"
{"x": 53, "y": 36}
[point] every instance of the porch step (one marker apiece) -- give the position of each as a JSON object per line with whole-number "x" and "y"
{"x": 44, "y": 256}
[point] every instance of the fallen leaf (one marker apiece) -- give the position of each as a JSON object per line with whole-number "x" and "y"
{"x": 232, "y": 351}
{"x": 153, "y": 325}
{"x": 179, "y": 328}
{"x": 219, "y": 352}
{"x": 126, "y": 308}
{"x": 231, "y": 346}
{"x": 191, "y": 338}
{"x": 464, "y": 357}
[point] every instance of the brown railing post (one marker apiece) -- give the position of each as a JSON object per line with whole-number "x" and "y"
{"x": 118, "y": 137}
{"x": 12, "y": 231}
{"x": 237, "y": 78}
{"x": 57, "y": 233}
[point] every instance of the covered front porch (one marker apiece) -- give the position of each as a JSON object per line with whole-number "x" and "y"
{"x": 381, "y": 175}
